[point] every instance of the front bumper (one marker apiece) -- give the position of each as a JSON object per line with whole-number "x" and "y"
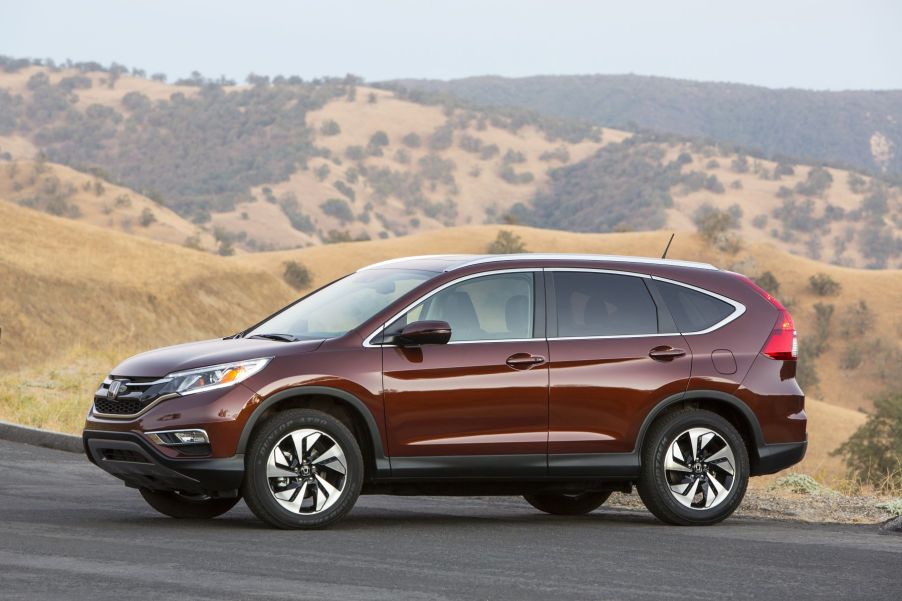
{"x": 132, "y": 459}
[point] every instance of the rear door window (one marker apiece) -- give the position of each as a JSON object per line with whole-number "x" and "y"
{"x": 602, "y": 304}
{"x": 693, "y": 311}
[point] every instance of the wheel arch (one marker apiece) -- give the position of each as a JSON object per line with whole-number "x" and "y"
{"x": 722, "y": 403}
{"x": 341, "y": 404}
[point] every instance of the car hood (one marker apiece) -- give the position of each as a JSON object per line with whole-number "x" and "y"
{"x": 162, "y": 361}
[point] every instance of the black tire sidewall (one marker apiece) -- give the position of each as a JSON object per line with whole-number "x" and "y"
{"x": 256, "y": 486}
{"x": 560, "y": 504}
{"x": 653, "y": 487}
{"x": 175, "y": 506}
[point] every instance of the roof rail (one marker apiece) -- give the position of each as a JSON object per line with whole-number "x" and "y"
{"x": 580, "y": 257}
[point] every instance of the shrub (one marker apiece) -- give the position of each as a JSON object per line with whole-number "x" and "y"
{"x": 330, "y": 127}
{"x": 355, "y": 152}
{"x": 856, "y": 183}
{"x": 507, "y": 242}
{"x": 558, "y": 154}
{"x": 823, "y": 316}
{"x": 806, "y": 374}
{"x": 712, "y": 164}
{"x": 489, "y": 151}
{"x": 768, "y": 281}
{"x": 345, "y": 189}
{"x": 713, "y": 225}
{"x": 783, "y": 169}
{"x": 469, "y": 143}
{"x": 508, "y": 174}
{"x": 874, "y": 453}
{"x": 321, "y": 172}
{"x": 740, "y": 164}
{"x": 760, "y": 221}
{"x": 292, "y": 210}
{"x": 858, "y": 319}
{"x": 296, "y": 275}
{"x": 147, "y": 217}
{"x": 412, "y": 140}
{"x": 378, "y": 139}
{"x": 852, "y": 357}
{"x": 442, "y": 138}
{"x": 512, "y": 157}
{"x": 338, "y": 208}
{"x": 816, "y": 183}
{"x": 824, "y": 285}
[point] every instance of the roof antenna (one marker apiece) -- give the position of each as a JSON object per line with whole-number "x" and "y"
{"x": 664, "y": 256}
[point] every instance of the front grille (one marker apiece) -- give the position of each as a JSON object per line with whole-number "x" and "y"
{"x": 135, "y": 394}
{"x": 123, "y": 455}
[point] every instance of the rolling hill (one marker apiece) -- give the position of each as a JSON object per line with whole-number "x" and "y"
{"x": 286, "y": 164}
{"x": 862, "y": 129}
{"x": 78, "y": 298}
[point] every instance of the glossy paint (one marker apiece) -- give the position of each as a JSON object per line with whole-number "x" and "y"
{"x": 588, "y": 397}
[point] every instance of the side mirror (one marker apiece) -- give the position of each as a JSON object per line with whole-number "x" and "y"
{"x": 424, "y": 332}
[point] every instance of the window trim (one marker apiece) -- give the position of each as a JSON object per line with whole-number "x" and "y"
{"x": 537, "y": 283}
{"x": 738, "y": 308}
{"x": 552, "y": 302}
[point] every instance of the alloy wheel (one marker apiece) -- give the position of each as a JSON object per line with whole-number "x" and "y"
{"x": 307, "y": 471}
{"x": 700, "y": 468}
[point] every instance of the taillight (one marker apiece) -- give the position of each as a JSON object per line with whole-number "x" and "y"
{"x": 783, "y": 343}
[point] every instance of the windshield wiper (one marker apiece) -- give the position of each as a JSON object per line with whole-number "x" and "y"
{"x": 279, "y": 337}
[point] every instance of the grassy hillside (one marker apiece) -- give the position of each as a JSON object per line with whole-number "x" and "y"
{"x": 834, "y": 375}
{"x": 285, "y": 164}
{"x": 77, "y": 299}
{"x": 858, "y": 128}
{"x": 62, "y": 191}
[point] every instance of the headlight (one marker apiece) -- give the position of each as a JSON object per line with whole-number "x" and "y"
{"x": 203, "y": 379}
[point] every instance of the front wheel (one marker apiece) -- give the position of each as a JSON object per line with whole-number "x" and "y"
{"x": 695, "y": 468}
{"x": 561, "y": 504}
{"x": 304, "y": 470}
{"x": 181, "y": 505}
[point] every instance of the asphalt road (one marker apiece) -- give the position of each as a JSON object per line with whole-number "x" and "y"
{"x": 67, "y": 530}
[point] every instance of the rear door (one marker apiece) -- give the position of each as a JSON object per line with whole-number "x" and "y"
{"x": 614, "y": 354}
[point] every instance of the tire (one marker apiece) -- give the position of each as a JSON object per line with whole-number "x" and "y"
{"x": 560, "y": 504}
{"x": 669, "y": 475}
{"x": 182, "y": 506}
{"x": 303, "y": 470}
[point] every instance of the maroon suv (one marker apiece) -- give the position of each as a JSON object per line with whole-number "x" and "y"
{"x": 561, "y": 378}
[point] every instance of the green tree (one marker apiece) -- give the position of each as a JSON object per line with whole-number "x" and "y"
{"x": 507, "y": 242}
{"x": 824, "y": 285}
{"x": 296, "y": 275}
{"x": 147, "y": 217}
{"x": 874, "y": 453}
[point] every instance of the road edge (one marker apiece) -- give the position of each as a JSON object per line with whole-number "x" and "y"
{"x": 40, "y": 438}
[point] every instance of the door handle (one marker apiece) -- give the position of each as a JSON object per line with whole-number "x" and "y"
{"x": 524, "y": 360}
{"x": 665, "y": 353}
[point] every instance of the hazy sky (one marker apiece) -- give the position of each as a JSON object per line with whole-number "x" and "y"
{"x": 826, "y": 44}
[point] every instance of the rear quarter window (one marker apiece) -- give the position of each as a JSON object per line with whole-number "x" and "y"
{"x": 693, "y": 311}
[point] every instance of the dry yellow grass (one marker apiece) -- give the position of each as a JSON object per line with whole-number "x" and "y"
{"x": 67, "y": 284}
{"x": 99, "y": 202}
{"x": 76, "y": 299}
{"x": 853, "y": 389}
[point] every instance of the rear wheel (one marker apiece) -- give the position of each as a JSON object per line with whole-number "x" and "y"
{"x": 181, "y": 505}
{"x": 304, "y": 470}
{"x": 695, "y": 468}
{"x": 563, "y": 504}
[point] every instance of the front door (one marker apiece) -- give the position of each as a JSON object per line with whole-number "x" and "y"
{"x": 478, "y": 405}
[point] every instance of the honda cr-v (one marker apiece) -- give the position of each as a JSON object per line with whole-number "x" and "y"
{"x": 561, "y": 378}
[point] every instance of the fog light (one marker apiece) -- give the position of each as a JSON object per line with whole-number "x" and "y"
{"x": 179, "y": 437}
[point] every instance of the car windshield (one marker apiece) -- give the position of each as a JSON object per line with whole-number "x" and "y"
{"x": 341, "y": 306}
